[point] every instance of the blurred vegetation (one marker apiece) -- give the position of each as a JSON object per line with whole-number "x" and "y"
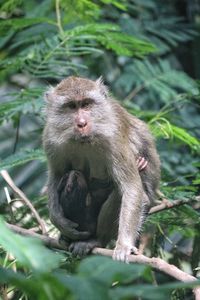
{"x": 147, "y": 53}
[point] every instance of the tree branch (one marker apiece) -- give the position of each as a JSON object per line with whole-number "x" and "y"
{"x": 11, "y": 183}
{"x": 154, "y": 262}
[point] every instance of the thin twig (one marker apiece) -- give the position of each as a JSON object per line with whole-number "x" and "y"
{"x": 171, "y": 204}
{"x": 136, "y": 90}
{"x": 9, "y": 204}
{"x": 154, "y": 262}
{"x": 11, "y": 183}
{"x": 58, "y": 17}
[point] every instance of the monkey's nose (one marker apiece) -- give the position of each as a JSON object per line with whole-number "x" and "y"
{"x": 82, "y": 123}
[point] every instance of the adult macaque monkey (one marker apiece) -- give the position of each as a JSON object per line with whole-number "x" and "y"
{"x": 86, "y": 130}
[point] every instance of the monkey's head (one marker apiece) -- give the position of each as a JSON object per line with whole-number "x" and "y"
{"x": 78, "y": 109}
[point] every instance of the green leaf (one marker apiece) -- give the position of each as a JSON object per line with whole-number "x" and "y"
{"x": 84, "y": 288}
{"x": 29, "y": 251}
{"x": 107, "y": 271}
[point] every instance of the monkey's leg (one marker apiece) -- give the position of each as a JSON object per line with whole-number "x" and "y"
{"x": 108, "y": 220}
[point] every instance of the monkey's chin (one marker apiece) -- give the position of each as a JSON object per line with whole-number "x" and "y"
{"x": 83, "y": 138}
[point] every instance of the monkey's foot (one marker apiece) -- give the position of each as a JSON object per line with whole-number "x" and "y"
{"x": 122, "y": 253}
{"x": 82, "y": 248}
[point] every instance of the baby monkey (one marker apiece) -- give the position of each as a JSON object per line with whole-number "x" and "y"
{"x": 81, "y": 202}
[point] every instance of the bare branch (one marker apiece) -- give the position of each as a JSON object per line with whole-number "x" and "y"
{"x": 11, "y": 183}
{"x": 166, "y": 204}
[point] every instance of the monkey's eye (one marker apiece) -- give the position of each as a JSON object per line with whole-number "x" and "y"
{"x": 86, "y": 103}
{"x": 71, "y": 105}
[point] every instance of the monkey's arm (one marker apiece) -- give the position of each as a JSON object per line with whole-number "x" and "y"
{"x": 131, "y": 211}
{"x": 66, "y": 227}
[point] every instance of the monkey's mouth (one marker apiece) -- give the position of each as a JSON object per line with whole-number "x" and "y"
{"x": 82, "y": 136}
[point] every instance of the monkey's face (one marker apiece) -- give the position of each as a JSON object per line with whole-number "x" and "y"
{"x": 79, "y": 114}
{"x": 78, "y": 109}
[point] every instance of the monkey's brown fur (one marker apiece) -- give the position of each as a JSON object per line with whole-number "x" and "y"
{"x": 88, "y": 131}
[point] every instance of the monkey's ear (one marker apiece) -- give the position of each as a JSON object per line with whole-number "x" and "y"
{"x": 48, "y": 95}
{"x": 103, "y": 89}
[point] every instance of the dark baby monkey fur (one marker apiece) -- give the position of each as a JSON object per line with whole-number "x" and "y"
{"x": 88, "y": 131}
{"x": 81, "y": 203}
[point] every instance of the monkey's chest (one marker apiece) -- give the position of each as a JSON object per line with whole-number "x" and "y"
{"x": 91, "y": 167}
{"x": 91, "y": 163}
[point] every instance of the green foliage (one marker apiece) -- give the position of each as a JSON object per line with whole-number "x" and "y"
{"x": 161, "y": 127}
{"x": 49, "y": 55}
{"x": 22, "y": 102}
{"x": 156, "y": 80}
{"x": 10, "y": 5}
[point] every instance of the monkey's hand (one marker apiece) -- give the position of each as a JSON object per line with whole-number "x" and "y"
{"x": 122, "y": 252}
{"x": 75, "y": 235}
{"x": 67, "y": 227}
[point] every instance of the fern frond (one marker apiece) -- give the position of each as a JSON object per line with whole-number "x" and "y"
{"x": 20, "y": 23}
{"x": 87, "y": 10}
{"x": 156, "y": 78}
{"x": 23, "y": 157}
{"x": 110, "y": 36}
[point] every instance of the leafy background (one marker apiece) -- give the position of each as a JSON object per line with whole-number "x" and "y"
{"x": 147, "y": 53}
